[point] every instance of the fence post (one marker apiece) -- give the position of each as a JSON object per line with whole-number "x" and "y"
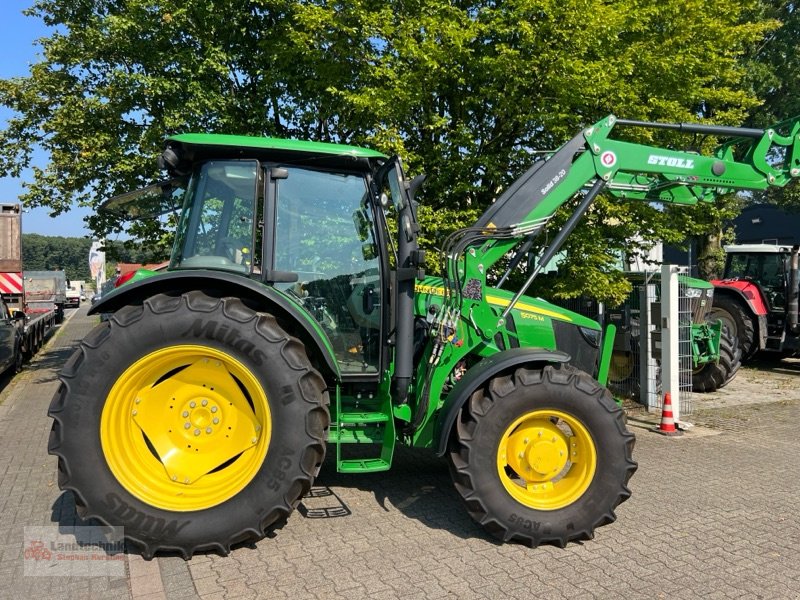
{"x": 648, "y": 366}
{"x": 670, "y": 340}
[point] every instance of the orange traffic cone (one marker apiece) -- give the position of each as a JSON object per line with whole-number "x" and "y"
{"x": 667, "y": 426}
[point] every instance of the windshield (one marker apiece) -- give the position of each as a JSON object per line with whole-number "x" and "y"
{"x": 216, "y": 230}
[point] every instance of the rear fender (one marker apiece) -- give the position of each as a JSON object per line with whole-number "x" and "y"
{"x": 480, "y": 374}
{"x": 290, "y": 314}
{"x": 749, "y": 293}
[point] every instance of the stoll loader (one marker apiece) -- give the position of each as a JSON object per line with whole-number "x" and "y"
{"x": 295, "y": 316}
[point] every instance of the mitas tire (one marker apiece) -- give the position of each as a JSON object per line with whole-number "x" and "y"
{"x": 115, "y": 413}
{"x": 506, "y": 418}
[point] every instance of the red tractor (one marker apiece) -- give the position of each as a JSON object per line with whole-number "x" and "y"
{"x": 757, "y": 298}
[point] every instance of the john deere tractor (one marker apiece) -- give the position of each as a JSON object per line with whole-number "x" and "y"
{"x": 716, "y": 356}
{"x": 295, "y": 318}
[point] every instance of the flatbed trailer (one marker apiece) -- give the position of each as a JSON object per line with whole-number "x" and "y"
{"x": 38, "y": 296}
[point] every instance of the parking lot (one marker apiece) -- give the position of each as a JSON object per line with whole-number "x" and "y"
{"x": 714, "y": 514}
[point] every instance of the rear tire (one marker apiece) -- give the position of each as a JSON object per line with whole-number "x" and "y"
{"x": 713, "y": 376}
{"x": 133, "y": 385}
{"x": 516, "y": 482}
{"x": 735, "y": 316}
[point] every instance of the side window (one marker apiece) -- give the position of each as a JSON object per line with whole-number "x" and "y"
{"x": 324, "y": 233}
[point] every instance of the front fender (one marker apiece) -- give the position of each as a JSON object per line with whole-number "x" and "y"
{"x": 222, "y": 284}
{"x": 478, "y": 375}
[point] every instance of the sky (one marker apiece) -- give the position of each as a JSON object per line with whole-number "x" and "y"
{"x": 18, "y": 50}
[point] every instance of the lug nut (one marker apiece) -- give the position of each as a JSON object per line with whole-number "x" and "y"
{"x": 213, "y": 409}
{"x": 192, "y": 404}
{"x": 135, "y": 413}
{"x": 215, "y": 421}
{"x": 197, "y": 432}
{"x": 187, "y": 425}
{"x": 174, "y": 478}
{"x": 185, "y": 414}
{"x": 208, "y": 429}
{"x": 204, "y": 402}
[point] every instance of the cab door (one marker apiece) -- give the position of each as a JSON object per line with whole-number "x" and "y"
{"x": 321, "y": 229}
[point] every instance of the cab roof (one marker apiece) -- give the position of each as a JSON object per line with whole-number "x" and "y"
{"x": 754, "y": 248}
{"x": 201, "y": 146}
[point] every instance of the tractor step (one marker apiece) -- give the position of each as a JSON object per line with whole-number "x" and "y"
{"x": 353, "y": 435}
{"x": 363, "y": 465}
{"x": 371, "y": 427}
{"x": 363, "y": 417}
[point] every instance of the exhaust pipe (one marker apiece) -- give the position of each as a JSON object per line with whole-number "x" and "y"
{"x": 793, "y": 297}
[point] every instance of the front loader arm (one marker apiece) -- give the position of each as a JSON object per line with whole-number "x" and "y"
{"x": 753, "y": 159}
{"x": 649, "y": 173}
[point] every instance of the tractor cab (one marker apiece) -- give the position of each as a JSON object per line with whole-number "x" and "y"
{"x": 765, "y": 265}
{"x": 301, "y": 217}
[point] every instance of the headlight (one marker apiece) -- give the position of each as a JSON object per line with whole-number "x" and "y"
{"x": 591, "y": 335}
{"x": 693, "y": 292}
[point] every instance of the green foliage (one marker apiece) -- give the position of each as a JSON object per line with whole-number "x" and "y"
{"x": 466, "y": 91}
{"x": 46, "y": 253}
{"x": 772, "y": 74}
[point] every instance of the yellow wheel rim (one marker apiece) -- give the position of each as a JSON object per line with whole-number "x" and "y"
{"x": 621, "y": 366}
{"x": 546, "y": 459}
{"x": 185, "y": 428}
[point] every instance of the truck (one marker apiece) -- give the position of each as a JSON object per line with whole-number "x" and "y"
{"x": 75, "y": 293}
{"x": 296, "y": 316}
{"x": 33, "y": 300}
{"x": 757, "y": 298}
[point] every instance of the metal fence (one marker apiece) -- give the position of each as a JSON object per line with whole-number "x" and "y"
{"x": 636, "y": 363}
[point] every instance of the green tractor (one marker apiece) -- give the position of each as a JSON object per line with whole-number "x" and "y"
{"x": 295, "y": 316}
{"x": 716, "y": 356}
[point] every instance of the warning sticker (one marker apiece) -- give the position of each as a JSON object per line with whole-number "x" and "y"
{"x": 608, "y": 158}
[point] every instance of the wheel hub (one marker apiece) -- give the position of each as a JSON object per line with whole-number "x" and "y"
{"x": 539, "y": 452}
{"x": 196, "y": 420}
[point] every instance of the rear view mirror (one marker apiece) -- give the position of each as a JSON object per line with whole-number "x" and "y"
{"x": 368, "y": 251}
{"x": 361, "y": 221}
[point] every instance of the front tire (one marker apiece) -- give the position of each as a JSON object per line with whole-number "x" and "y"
{"x": 193, "y": 422}
{"x": 542, "y": 456}
{"x": 715, "y": 375}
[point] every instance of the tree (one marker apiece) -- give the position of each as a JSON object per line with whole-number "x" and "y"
{"x": 47, "y": 253}
{"x": 772, "y": 74}
{"x": 467, "y": 91}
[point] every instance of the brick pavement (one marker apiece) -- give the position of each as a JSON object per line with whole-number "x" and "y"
{"x": 711, "y": 516}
